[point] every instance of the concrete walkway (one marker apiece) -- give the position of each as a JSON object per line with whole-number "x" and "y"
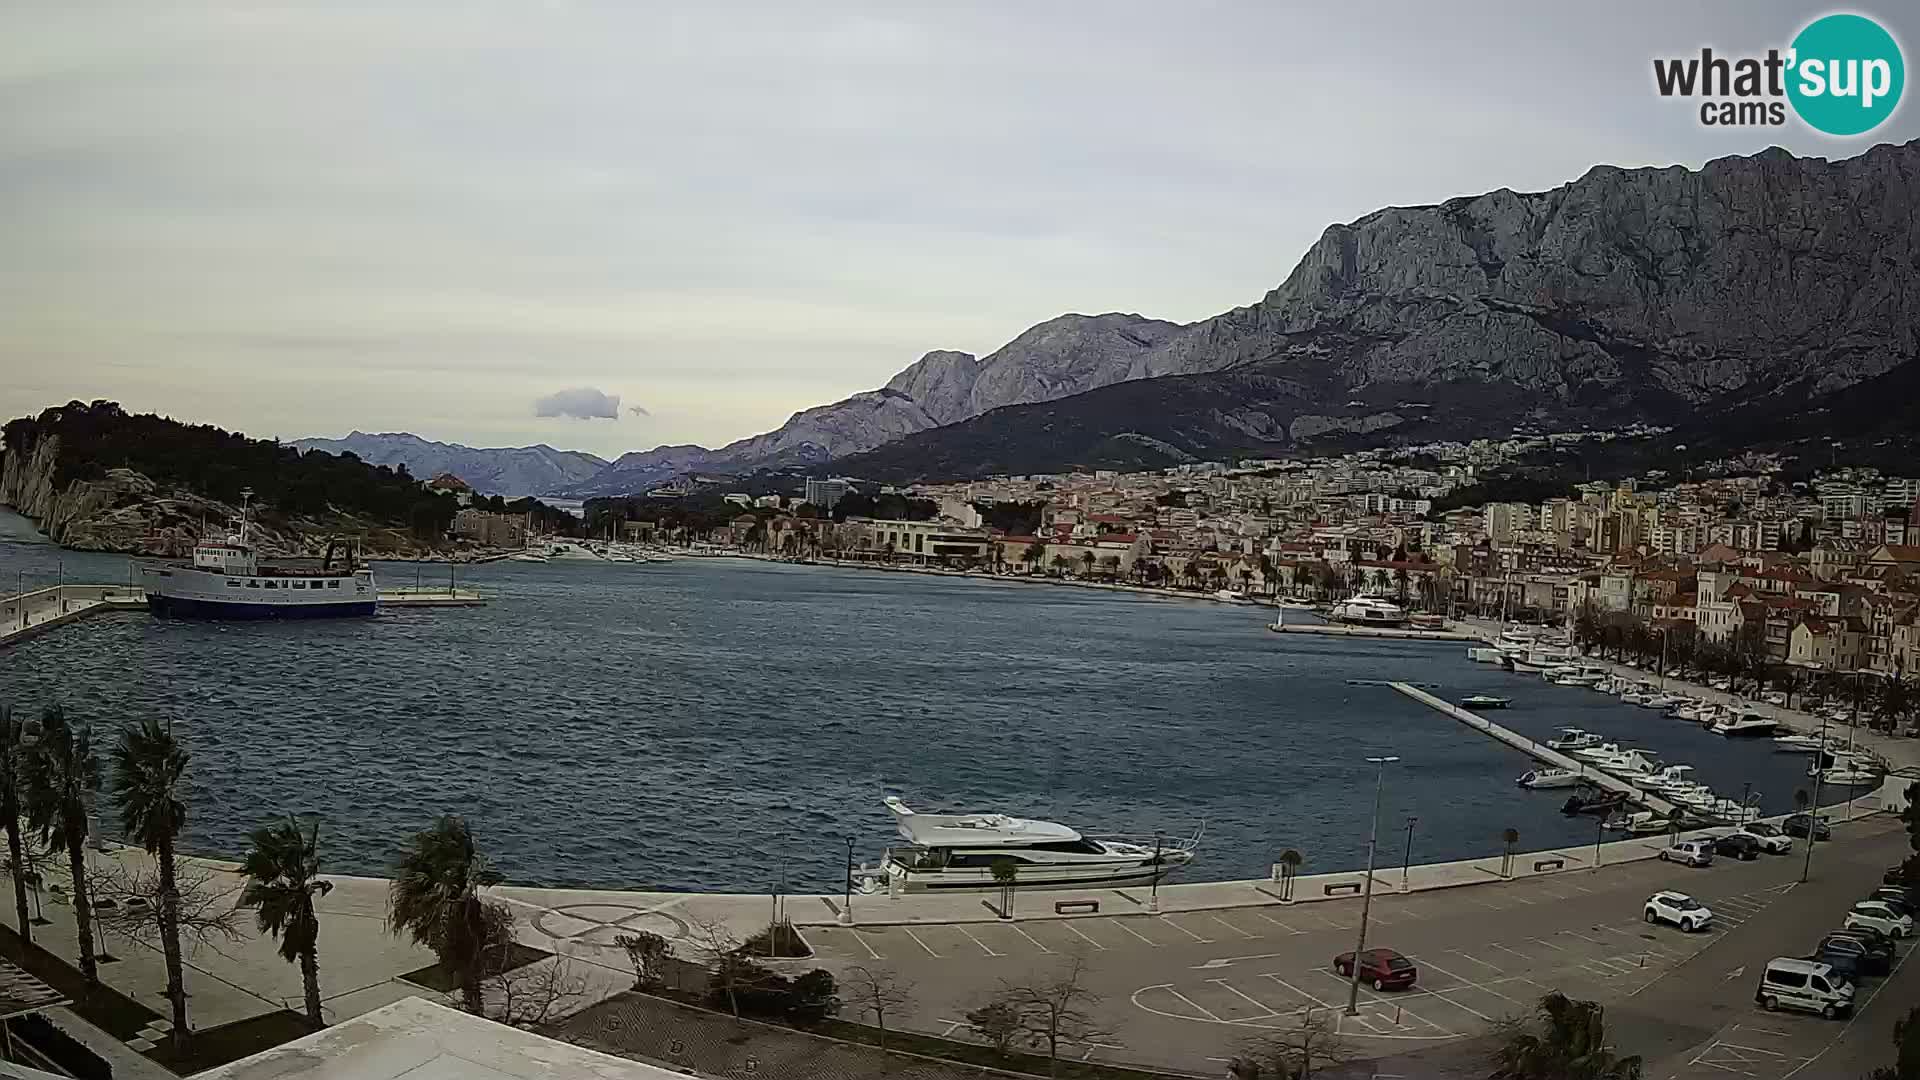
{"x": 25, "y": 615}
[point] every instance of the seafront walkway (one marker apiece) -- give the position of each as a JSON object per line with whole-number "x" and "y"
{"x": 24, "y": 615}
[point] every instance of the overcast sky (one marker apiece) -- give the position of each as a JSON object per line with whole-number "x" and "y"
{"x": 479, "y": 222}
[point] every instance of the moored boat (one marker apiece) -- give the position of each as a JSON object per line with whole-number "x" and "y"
{"x": 1485, "y": 701}
{"x": 226, "y": 579}
{"x": 1549, "y": 778}
{"x": 960, "y": 851}
{"x": 1573, "y": 738}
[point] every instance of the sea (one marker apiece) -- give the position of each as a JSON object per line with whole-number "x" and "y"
{"x": 731, "y": 725}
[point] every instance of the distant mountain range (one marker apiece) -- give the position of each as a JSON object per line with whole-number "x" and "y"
{"x": 1752, "y": 288}
{"x": 512, "y": 471}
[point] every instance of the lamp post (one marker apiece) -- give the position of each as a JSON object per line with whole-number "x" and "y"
{"x": 1813, "y": 807}
{"x": 1599, "y": 831}
{"x": 846, "y": 907}
{"x": 1366, "y": 896}
{"x": 1153, "y": 889}
{"x": 1406, "y": 864}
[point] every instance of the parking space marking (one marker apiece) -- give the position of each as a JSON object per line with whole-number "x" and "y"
{"x": 1121, "y": 923}
{"x": 1195, "y": 1006}
{"x": 984, "y": 947}
{"x": 1030, "y": 937}
{"x": 1255, "y": 1002}
{"x": 1400, "y": 1010}
{"x": 1465, "y": 983}
{"x": 1548, "y": 944}
{"x": 1503, "y": 948}
{"x": 1083, "y": 936}
{"x": 862, "y": 939}
{"x": 1168, "y": 921}
{"x": 1482, "y": 963}
{"x": 1278, "y": 923}
{"x": 1295, "y": 989}
{"x": 917, "y": 941}
{"x": 1243, "y": 933}
{"x": 1583, "y": 937}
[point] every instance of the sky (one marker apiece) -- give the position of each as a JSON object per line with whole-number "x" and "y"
{"x": 611, "y": 226}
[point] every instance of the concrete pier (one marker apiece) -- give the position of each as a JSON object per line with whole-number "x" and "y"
{"x": 1537, "y": 750}
{"x": 31, "y": 613}
{"x": 431, "y": 597}
{"x": 1396, "y": 632}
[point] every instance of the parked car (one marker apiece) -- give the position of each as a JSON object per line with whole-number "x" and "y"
{"x": 1869, "y": 955}
{"x": 1798, "y": 824}
{"x": 1809, "y": 985}
{"x": 1878, "y": 915}
{"x": 1383, "y": 969}
{"x": 1690, "y": 852}
{"x": 1737, "y": 844}
{"x": 1679, "y": 909}
{"x": 1722, "y": 685}
{"x": 1896, "y": 898}
{"x": 1895, "y": 875}
{"x": 1772, "y": 840}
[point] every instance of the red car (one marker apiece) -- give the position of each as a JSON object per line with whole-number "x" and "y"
{"x": 1383, "y": 969}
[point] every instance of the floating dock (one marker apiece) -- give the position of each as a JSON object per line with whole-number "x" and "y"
{"x": 32, "y": 613}
{"x": 431, "y": 597}
{"x": 1537, "y": 750}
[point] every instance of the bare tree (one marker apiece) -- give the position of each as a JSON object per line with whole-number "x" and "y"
{"x": 997, "y": 1023}
{"x": 127, "y": 894}
{"x": 719, "y": 950}
{"x": 876, "y": 992}
{"x": 648, "y": 952}
{"x": 1053, "y": 1008}
{"x": 536, "y": 994}
{"x": 1308, "y": 1049}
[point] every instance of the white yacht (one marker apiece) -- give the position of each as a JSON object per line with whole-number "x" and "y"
{"x": 1571, "y": 739}
{"x": 1660, "y": 701}
{"x": 1849, "y": 770}
{"x": 1549, "y": 778}
{"x": 1485, "y": 654}
{"x": 527, "y": 556}
{"x": 1628, "y": 764}
{"x": 959, "y": 851}
{"x": 1744, "y": 723}
{"x": 570, "y": 551}
{"x": 1543, "y": 658}
{"x": 1671, "y": 778}
{"x": 1798, "y": 744}
{"x": 1231, "y": 596}
{"x": 227, "y": 580}
{"x": 1601, "y": 752}
{"x": 1368, "y": 611}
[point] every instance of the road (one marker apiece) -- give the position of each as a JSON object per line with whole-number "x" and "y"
{"x": 1186, "y": 991}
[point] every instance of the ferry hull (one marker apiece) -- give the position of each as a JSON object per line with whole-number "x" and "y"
{"x": 191, "y": 608}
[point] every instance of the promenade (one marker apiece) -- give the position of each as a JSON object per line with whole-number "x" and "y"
{"x": 29, "y": 614}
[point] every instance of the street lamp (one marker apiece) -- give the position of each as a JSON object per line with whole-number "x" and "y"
{"x": 1406, "y": 864}
{"x": 1813, "y": 807}
{"x": 1153, "y": 888}
{"x": 1366, "y": 896}
{"x": 846, "y": 908}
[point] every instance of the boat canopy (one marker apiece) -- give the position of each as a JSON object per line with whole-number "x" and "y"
{"x": 974, "y": 830}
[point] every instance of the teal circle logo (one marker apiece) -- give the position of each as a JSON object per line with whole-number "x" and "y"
{"x": 1847, "y": 74}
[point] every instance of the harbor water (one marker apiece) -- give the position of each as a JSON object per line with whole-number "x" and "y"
{"x": 723, "y": 724}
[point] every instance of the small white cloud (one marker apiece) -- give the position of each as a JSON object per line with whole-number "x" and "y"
{"x": 581, "y": 403}
{"x": 638, "y": 411}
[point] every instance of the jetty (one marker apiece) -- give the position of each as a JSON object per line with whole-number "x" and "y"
{"x": 32, "y": 613}
{"x": 1402, "y": 633}
{"x": 1538, "y": 751}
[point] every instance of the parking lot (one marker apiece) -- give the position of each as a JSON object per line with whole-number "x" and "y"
{"x": 1187, "y": 989}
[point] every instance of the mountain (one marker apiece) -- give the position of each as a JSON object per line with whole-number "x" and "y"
{"x": 517, "y": 470}
{"x": 1057, "y": 358}
{"x": 1750, "y": 287}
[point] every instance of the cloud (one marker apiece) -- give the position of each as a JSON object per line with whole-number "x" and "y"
{"x": 581, "y": 403}
{"x": 638, "y": 411}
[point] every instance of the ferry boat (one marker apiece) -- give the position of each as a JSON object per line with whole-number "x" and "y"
{"x": 959, "y": 851}
{"x": 227, "y": 580}
{"x": 1368, "y": 611}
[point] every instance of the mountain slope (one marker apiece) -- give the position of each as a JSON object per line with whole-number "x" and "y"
{"x": 517, "y": 470}
{"x": 1646, "y": 294}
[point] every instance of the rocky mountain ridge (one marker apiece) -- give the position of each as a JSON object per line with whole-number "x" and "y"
{"x": 510, "y": 471}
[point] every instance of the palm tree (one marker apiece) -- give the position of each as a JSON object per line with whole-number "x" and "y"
{"x": 1035, "y": 552}
{"x": 11, "y": 730}
{"x": 1005, "y": 873}
{"x": 1086, "y": 560}
{"x": 147, "y": 768}
{"x": 435, "y": 898}
{"x": 1570, "y": 1045}
{"x": 57, "y": 778}
{"x": 283, "y": 877}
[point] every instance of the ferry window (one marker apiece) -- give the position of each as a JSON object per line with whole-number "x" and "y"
{"x": 252, "y": 584}
{"x": 232, "y": 584}
{"x": 273, "y": 585}
{"x": 296, "y": 584}
{"x": 333, "y": 584}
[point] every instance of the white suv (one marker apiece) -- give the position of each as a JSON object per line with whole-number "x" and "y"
{"x": 1772, "y": 840}
{"x": 1679, "y": 909}
{"x": 1875, "y": 915}
{"x": 1690, "y": 852}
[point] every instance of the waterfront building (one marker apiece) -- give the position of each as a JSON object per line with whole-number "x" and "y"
{"x": 490, "y": 529}
{"x": 925, "y": 541}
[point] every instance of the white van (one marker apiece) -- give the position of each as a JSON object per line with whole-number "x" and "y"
{"x": 1806, "y": 985}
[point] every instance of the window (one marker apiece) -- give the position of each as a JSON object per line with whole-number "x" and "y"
{"x": 232, "y": 584}
{"x": 333, "y": 584}
{"x": 1820, "y": 984}
{"x": 981, "y": 860}
{"x": 252, "y": 584}
{"x": 296, "y": 584}
{"x": 1075, "y": 847}
{"x": 273, "y": 585}
{"x": 1791, "y": 979}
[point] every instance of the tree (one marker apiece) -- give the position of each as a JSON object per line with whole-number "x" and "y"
{"x": 435, "y": 898}
{"x": 1086, "y": 561}
{"x": 1298, "y": 1053}
{"x": 996, "y": 1023}
{"x": 60, "y": 774}
{"x": 282, "y": 868}
{"x": 148, "y": 766}
{"x": 1055, "y": 1008}
{"x": 648, "y": 952}
{"x": 1006, "y": 873}
{"x": 1906, "y": 1045}
{"x": 12, "y": 750}
{"x": 1034, "y": 553}
{"x": 1567, "y": 1040}
{"x": 813, "y": 997}
{"x": 876, "y": 992}
{"x": 1510, "y": 837}
{"x": 730, "y": 973}
{"x": 534, "y": 995}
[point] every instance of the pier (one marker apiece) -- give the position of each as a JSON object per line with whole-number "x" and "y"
{"x": 1536, "y": 750}
{"x": 30, "y": 614}
{"x": 1402, "y": 633}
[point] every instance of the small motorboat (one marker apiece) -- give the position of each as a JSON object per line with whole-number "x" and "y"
{"x": 1850, "y": 776}
{"x": 1638, "y": 823}
{"x": 1797, "y": 744}
{"x": 1601, "y": 752}
{"x": 1485, "y": 655}
{"x": 1550, "y": 778}
{"x": 1573, "y": 738}
{"x": 1662, "y": 702}
{"x": 1485, "y": 701}
{"x": 1592, "y": 800}
{"x": 1744, "y": 723}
